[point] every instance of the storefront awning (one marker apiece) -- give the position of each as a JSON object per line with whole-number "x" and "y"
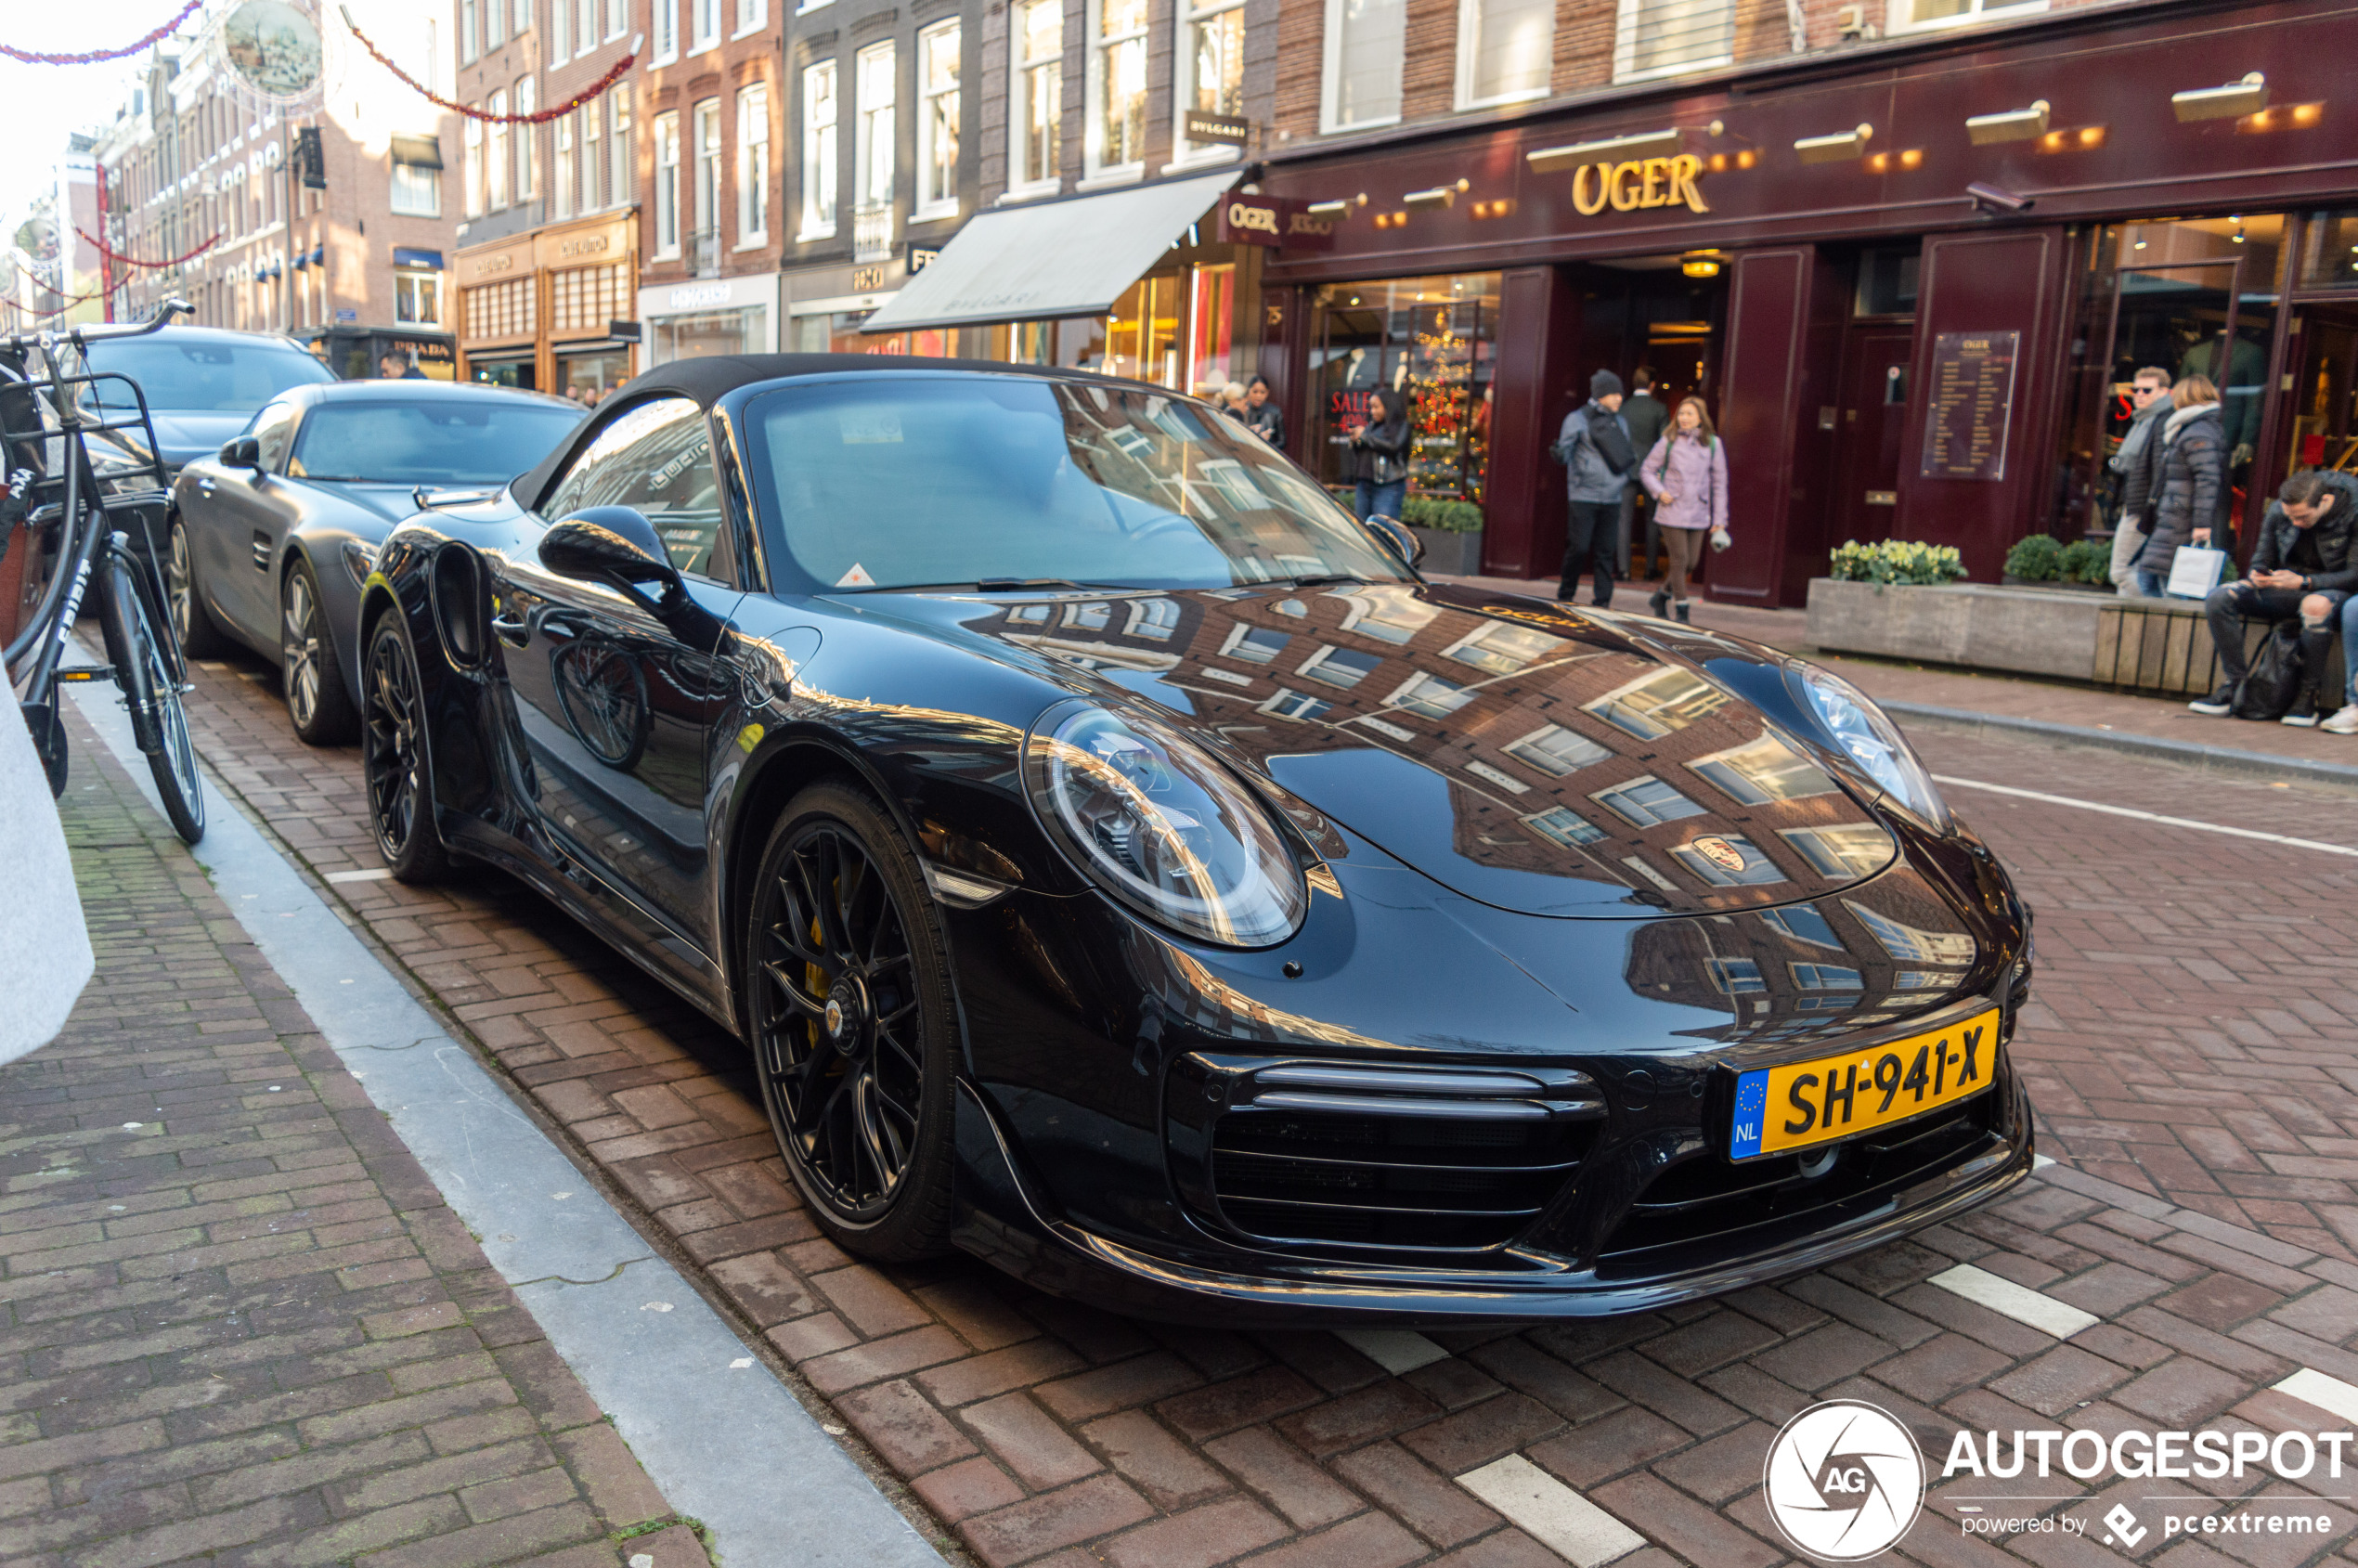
{"x": 1058, "y": 258}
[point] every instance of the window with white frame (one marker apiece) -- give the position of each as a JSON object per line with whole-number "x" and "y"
{"x": 753, "y": 165}
{"x": 938, "y": 121}
{"x": 1211, "y": 67}
{"x": 752, "y": 16}
{"x": 617, "y": 18}
{"x": 1036, "y": 43}
{"x": 563, "y": 195}
{"x": 1505, "y": 50}
{"x": 872, "y": 101}
{"x": 666, "y": 42}
{"x": 666, "y": 191}
{"x": 494, "y": 23}
{"x": 523, "y": 23}
{"x": 1366, "y": 45}
{"x": 708, "y": 155}
{"x": 1666, "y": 37}
{"x": 593, "y": 152}
{"x": 494, "y": 156}
{"x": 1117, "y": 140}
{"x": 416, "y": 189}
{"x": 1908, "y": 16}
{"x": 622, "y": 173}
{"x": 820, "y": 119}
{"x": 468, "y": 46}
{"x": 585, "y": 31}
{"x": 527, "y": 142}
{"x": 560, "y": 31}
{"x": 416, "y": 298}
{"x": 706, "y": 14}
{"x": 470, "y": 171}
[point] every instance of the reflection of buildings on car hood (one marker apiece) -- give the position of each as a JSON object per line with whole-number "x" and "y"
{"x": 1569, "y": 754}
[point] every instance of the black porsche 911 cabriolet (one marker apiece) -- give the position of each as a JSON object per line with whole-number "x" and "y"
{"x": 1123, "y": 866}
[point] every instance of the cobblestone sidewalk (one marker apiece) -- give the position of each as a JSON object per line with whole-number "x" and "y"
{"x": 238, "y": 1325}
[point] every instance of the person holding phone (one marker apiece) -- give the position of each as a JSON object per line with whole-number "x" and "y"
{"x": 2305, "y": 566}
{"x": 1380, "y": 449}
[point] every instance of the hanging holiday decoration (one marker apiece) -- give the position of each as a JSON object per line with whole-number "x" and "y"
{"x": 28, "y": 58}
{"x": 63, "y": 300}
{"x": 114, "y": 255}
{"x": 273, "y": 47}
{"x": 615, "y": 73}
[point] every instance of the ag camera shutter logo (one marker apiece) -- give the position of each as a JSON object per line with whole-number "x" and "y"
{"x": 1844, "y": 1480}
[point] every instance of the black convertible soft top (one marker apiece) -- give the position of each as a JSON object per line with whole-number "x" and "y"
{"x": 709, "y": 379}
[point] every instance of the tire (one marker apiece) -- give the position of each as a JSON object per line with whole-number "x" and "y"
{"x": 395, "y": 770}
{"x": 313, "y": 676}
{"x": 151, "y": 680}
{"x": 192, "y": 624}
{"x": 847, "y": 990}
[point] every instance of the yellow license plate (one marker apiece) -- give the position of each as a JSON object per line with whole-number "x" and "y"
{"x": 1817, "y": 1102}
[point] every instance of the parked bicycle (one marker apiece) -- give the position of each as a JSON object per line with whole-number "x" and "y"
{"x": 52, "y": 414}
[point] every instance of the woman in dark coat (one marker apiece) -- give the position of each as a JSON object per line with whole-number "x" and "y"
{"x": 1380, "y": 449}
{"x": 2194, "y": 476}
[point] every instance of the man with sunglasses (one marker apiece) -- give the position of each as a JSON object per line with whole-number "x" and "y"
{"x": 2139, "y": 464}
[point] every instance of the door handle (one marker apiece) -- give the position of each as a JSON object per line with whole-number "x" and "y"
{"x": 514, "y": 631}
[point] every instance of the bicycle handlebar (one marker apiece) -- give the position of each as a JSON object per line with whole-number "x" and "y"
{"x": 82, "y": 337}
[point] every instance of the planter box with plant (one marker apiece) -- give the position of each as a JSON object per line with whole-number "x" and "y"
{"x": 2042, "y": 561}
{"x": 1452, "y": 534}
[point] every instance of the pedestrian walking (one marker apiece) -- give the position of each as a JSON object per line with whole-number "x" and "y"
{"x": 1380, "y": 449}
{"x": 1646, "y": 420}
{"x": 2304, "y": 567}
{"x": 1262, "y": 416}
{"x": 2193, "y": 473}
{"x": 2139, "y": 464}
{"x": 1686, "y": 472}
{"x": 1594, "y": 448}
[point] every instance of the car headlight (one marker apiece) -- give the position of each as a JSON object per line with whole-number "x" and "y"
{"x": 1161, "y": 826}
{"x": 1867, "y": 735}
{"x": 359, "y": 560}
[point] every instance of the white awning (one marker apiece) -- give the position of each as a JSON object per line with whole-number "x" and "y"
{"x": 1055, "y": 258}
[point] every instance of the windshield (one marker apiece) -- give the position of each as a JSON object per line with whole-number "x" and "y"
{"x": 203, "y": 375}
{"x": 891, "y": 479}
{"x": 480, "y": 441}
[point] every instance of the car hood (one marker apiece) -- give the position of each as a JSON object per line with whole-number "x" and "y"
{"x": 184, "y": 434}
{"x": 383, "y": 502}
{"x": 1518, "y": 752}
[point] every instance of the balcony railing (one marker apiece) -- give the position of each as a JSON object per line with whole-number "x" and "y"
{"x": 871, "y": 232}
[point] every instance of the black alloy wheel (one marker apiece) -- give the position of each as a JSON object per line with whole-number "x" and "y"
{"x": 394, "y": 766}
{"x": 848, "y": 997}
{"x": 309, "y": 670}
{"x": 191, "y": 622}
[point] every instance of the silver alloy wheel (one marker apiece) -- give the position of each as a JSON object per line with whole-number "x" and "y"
{"x": 179, "y": 588}
{"x": 299, "y": 640}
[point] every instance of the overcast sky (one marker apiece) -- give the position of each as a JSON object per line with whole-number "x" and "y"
{"x": 41, "y": 105}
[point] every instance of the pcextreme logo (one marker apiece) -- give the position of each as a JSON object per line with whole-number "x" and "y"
{"x": 1845, "y": 1480}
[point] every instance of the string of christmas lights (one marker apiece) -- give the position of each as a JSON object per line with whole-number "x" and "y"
{"x": 29, "y": 58}
{"x": 63, "y": 300}
{"x": 539, "y": 117}
{"x": 111, "y": 254}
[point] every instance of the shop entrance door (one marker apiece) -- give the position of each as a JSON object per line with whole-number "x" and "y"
{"x": 1870, "y": 425}
{"x": 2322, "y": 429}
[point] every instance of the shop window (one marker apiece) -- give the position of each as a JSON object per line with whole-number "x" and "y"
{"x": 819, "y": 122}
{"x": 873, "y": 100}
{"x": 1666, "y": 37}
{"x": 1905, "y": 15}
{"x": 1211, "y": 60}
{"x": 938, "y": 121}
{"x": 2329, "y": 251}
{"x": 1117, "y": 86}
{"x": 1366, "y": 45}
{"x": 706, "y": 332}
{"x": 753, "y": 166}
{"x": 1505, "y": 50}
{"x": 667, "y": 192}
{"x": 416, "y": 298}
{"x": 1433, "y": 339}
{"x": 1142, "y": 332}
{"x": 1037, "y": 41}
{"x": 1211, "y": 325}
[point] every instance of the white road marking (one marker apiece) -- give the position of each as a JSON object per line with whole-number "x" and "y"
{"x": 2135, "y": 815}
{"x": 2019, "y": 1302}
{"x": 1395, "y": 1350}
{"x": 2330, "y": 1394}
{"x": 374, "y": 874}
{"x": 1550, "y": 1513}
{"x": 2041, "y": 1162}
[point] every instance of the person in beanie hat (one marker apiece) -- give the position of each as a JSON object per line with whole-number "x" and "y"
{"x": 1595, "y": 448}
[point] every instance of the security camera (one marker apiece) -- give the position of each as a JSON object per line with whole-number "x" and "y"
{"x": 1990, "y": 198}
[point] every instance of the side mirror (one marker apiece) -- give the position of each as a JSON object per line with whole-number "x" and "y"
{"x": 1397, "y": 538}
{"x": 609, "y": 544}
{"x": 242, "y": 451}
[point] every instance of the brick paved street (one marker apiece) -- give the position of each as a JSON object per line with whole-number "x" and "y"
{"x": 241, "y": 1327}
{"x": 2190, "y": 1054}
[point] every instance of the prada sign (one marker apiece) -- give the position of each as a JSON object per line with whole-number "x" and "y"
{"x": 1273, "y": 221}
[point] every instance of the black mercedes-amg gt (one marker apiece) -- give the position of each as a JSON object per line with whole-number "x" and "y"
{"x": 1123, "y": 866}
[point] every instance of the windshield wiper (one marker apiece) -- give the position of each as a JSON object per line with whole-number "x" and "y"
{"x": 1001, "y": 585}
{"x": 1320, "y": 579}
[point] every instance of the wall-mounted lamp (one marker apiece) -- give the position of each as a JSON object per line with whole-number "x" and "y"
{"x": 2012, "y": 124}
{"x": 1439, "y": 196}
{"x": 1990, "y": 198}
{"x": 2231, "y": 102}
{"x": 1835, "y": 148}
{"x": 1610, "y": 150}
{"x": 1335, "y": 212}
{"x": 1701, "y": 264}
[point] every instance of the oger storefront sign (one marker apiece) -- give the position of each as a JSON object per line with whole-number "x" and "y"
{"x": 1640, "y": 183}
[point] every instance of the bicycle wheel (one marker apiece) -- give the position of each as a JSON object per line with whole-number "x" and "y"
{"x": 145, "y": 672}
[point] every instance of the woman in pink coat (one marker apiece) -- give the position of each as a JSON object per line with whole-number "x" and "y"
{"x": 1687, "y": 475}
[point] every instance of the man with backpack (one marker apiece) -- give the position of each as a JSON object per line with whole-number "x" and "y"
{"x": 1595, "y": 448}
{"x": 2302, "y": 569}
